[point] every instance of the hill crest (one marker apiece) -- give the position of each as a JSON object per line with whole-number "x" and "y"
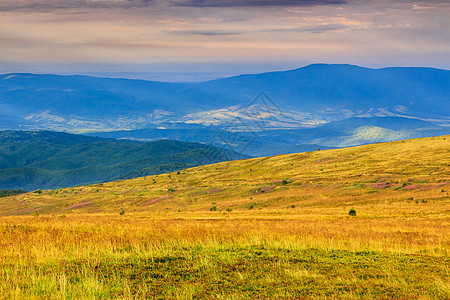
{"x": 400, "y": 173}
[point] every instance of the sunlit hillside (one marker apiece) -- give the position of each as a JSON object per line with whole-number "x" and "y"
{"x": 399, "y": 178}
{"x": 369, "y": 222}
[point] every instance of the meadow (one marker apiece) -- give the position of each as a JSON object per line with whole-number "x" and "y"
{"x": 264, "y": 228}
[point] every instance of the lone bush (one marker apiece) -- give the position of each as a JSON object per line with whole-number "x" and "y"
{"x": 286, "y": 181}
{"x": 352, "y": 212}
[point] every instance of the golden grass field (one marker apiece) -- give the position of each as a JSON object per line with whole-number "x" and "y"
{"x": 261, "y": 228}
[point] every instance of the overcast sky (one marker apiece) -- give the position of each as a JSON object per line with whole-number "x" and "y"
{"x": 233, "y": 36}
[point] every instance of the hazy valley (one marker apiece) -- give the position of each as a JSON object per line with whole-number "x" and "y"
{"x": 286, "y": 110}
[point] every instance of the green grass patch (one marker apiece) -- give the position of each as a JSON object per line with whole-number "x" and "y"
{"x": 229, "y": 271}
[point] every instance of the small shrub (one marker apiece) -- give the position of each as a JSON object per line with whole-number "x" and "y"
{"x": 122, "y": 212}
{"x": 38, "y": 191}
{"x": 352, "y": 212}
{"x": 214, "y": 208}
{"x": 178, "y": 173}
{"x": 229, "y": 209}
{"x": 251, "y": 206}
{"x": 171, "y": 189}
{"x": 286, "y": 181}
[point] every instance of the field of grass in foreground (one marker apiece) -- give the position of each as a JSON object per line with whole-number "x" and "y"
{"x": 294, "y": 240}
{"x": 101, "y": 256}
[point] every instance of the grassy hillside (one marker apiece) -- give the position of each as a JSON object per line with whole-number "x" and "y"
{"x": 43, "y": 159}
{"x": 388, "y": 173}
{"x": 276, "y": 227}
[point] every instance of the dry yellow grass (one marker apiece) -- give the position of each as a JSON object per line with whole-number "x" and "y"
{"x": 379, "y": 177}
{"x": 286, "y": 207}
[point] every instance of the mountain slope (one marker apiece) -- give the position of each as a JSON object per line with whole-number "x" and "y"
{"x": 310, "y": 95}
{"x": 359, "y": 131}
{"x": 344, "y": 87}
{"x": 389, "y": 176}
{"x": 31, "y": 160}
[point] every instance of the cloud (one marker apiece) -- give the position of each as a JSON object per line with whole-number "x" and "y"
{"x": 242, "y": 3}
{"x": 204, "y": 32}
{"x": 124, "y": 32}
{"x": 311, "y": 29}
{"x": 49, "y": 5}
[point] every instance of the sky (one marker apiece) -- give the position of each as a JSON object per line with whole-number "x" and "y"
{"x": 213, "y": 38}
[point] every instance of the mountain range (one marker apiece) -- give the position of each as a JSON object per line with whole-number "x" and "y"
{"x": 317, "y": 106}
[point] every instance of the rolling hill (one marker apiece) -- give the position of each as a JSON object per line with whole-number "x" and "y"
{"x": 42, "y": 159}
{"x": 354, "y": 223}
{"x": 338, "y": 179}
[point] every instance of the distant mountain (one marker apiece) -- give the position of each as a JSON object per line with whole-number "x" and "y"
{"x": 300, "y": 98}
{"x": 44, "y": 159}
{"x": 261, "y": 114}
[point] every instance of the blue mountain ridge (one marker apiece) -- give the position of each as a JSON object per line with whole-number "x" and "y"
{"x": 317, "y": 106}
